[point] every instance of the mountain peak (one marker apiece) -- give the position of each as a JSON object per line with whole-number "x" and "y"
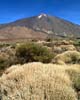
{"x": 42, "y": 15}
{"x": 42, "y": 26}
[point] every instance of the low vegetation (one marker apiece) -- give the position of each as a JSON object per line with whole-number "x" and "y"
{"x": 24, "y": 52}
{"x": 40, "y": 70}
{"x": 75, "y": 77}
{"x": 68, "y": 57}
{"x": 37, "y": 81}
{"x": 31, "y": 52}
{"x": 77, "y": 43}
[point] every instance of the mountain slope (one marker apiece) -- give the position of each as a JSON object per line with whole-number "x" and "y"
{"x": 44, "y": 24}
{"x": 17, "y": 32}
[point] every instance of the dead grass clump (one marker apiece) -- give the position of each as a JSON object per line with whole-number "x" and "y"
{"x": 68, "y": 57}
{"x": 36, "y": 81}
{"x": 62, "y": 48}
{"x": 74, "y": 73}
{"x": 68, "y": 47}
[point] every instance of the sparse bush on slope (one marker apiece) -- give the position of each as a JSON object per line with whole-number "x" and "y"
{"x": 68, "y": 57}
{"x": 31, "y": 52}
{"x": 36, "y": 81}
{"x": 7, "y": 58}
{"x": 77, "y": 43}
{"x": 3, "y": 60}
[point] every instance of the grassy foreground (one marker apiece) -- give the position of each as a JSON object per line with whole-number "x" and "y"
{"x": 40, "y": 70}
{"x": 38, "y": 81}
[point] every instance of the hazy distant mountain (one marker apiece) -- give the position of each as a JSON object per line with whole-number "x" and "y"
{"x": 39, "y": 27}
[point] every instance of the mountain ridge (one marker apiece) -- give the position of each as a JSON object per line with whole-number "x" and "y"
{"x": 44, "y": 24}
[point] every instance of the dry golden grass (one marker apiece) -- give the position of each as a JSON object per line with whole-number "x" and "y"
{"x": 68, "y": 57}
{"x": 68, "y": 47}
{"x": 37, "y": 81}
{"x": 62, "y": 48}
{"x": 74, "y": 73}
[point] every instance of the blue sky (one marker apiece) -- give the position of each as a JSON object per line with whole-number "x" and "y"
{"x": 11, "y": 10}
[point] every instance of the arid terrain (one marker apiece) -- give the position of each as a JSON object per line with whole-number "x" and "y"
{"x": 39, "y": 49}
{"x": 40, "y": 59}
{"x": 40, "y": 70}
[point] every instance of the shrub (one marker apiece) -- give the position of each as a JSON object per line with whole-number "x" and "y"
{"x": 68, "y": 57}
{"x": 30, "y": 52}
{"x": 68, "y": 47}
{"x": 7, "y": 58}
{"x": 12, "y": 59}
{"x": 49, "y": 39}
{"x": 3, "y": 60}
{"x": 74, "y": 73}
{"x": 4, "y": 45}
{"x": 75, "y": 77}
{"x": 77, "y": 43}
{"x": 36, "y": 81}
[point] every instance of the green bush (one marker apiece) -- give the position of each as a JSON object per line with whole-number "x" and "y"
{"x": 3, "y": 60}
{"x": 30, "y": 52}
{"x": 77, "y": 43}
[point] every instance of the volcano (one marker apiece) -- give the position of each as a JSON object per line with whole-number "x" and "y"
{"x": 40, "y": 26}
